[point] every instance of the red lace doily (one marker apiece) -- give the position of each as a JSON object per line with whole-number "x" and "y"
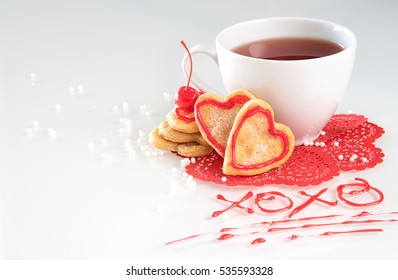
{"x": 309, "y": 165}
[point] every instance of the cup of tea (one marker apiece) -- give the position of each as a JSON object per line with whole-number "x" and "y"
{"x": 300, "y": 66}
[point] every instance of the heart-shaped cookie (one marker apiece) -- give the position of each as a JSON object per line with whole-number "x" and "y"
{"x": 256, "y": 143}
{"x": 215, "y": 116}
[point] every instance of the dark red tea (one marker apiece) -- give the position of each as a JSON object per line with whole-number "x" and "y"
{"x": 289, "y": 48}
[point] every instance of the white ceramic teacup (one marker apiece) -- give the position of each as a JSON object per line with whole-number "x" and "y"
{"x": 303, "y": 93}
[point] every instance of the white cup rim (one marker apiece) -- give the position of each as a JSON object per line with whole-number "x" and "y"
{"x": 338, "y": 27}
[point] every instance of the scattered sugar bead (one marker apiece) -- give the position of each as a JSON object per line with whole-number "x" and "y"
{"x": 306, "y": 143}
{"x": 33, "y": 77}
{"x": 322, "y": 144}
{"x": 349, "y": 112}
{"x": 192, "y": 184}
{"x": 167, "y": 96}
{"x": 57, "y": 108}
{"x": 336, "y": 144}
{"x": 141, "y": 133}
{"x": 189, "y": 179}
{"x": 29, "y": 132}
{"x": 354, "y": 156}
{"x": 36, "y": 125}
{"x": 72, "y": 91}
{"x": 323, "y": 133}
{"x": 364, "y": 159}
{"x": 311, "y": 143}
{"x": 52, "y": 133}
{"x": 193, "y": 160}
{"x": 340, "y": 157}
{"x": 104, "y": 142}
{"x": 91, "y": 147}
{"x": 146, "y": 110}
{"x": 352, "y": 159}
{"x": 316, "y": 144}
{"x": 223, "y": 179}
{"x": 115, "y": 109}
{"x": 106, "y": 157}
{"x": 81, "y": 89}
{"x": 185, "y": 162}
{"x": 125, "y": 107}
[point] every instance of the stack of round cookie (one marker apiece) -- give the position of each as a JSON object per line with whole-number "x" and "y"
{"x": 180, "y": 135}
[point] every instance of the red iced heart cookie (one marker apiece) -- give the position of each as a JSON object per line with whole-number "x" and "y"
{"x": 256, "y": 143}
{"x": 216, "y": 116}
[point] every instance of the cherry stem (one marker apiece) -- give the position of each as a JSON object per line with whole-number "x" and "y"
{"x": 190, "y": 62}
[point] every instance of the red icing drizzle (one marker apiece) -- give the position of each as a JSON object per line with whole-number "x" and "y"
{"x": 228, "y": 104}
{"x": 271, "y": 130}
{"x": 329, "y": 233}
{"x": 331, "y": 224}
{"x": 365, "y": 187}
{"x": 258, "y": 241}
{"x": 260, "y": 197}
{"x": 234, "y": 204}
{"x": 179, "y": 115}
{"x": 292, "y": 237}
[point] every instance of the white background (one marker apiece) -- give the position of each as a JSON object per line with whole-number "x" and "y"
{"x": 60, "y": 201}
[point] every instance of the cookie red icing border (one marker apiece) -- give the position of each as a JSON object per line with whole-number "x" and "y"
{"x": 271, "y": 129}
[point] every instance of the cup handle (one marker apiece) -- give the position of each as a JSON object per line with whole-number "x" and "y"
{"x": 195, "y": 80}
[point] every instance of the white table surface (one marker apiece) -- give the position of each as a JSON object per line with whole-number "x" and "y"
{"x": 58, "y": 200}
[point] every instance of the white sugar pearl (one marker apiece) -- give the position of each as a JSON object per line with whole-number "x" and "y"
{"x": 29, "y": 132}
{"x": 52, "y": 133}
{"x": 352, "y": 159}
{"x": 91, "y": 147}
{"x": 340, "y": 157}
{"x": 364, "y": 159}
{"x": 322, "y": 144}
{"x": 323, "y": 133}
{"x": 167, "y": 96}
{"x": 306, "y": 143}
{"x": 115, "y": 109}
{"x": 311, "y": 143}
{"x": 33, "y": 77}
{"x": 336, "y": 144}
{"x": 125, "y": 107}
{"x": 316, "y": 144}
{"x": 72, "y": 91}
{"x": 141, "y": 133}
{"x": 189, "y": 179}
{"x": 349, "y": 112}
{"x": 223, "y": 179}
{"x": 354, "y": 156}
{"x": 193, "y": 160}
{"x": 81, "y": 89}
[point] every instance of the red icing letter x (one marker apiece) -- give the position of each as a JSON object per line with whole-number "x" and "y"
{"x": 234, "y": 204}
{"x": 311, "y": 200}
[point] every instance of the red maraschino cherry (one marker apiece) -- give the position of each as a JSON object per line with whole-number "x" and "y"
{"x": 186, "y": 95}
